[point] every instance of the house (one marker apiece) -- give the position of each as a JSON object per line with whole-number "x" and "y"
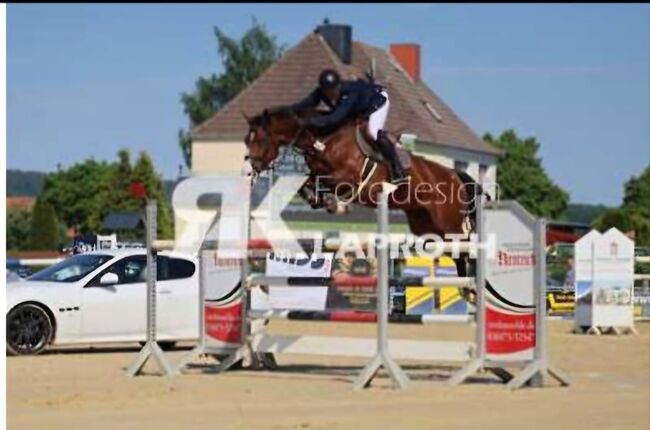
{"x": 20, "y": 203}
{"x": 440, "y": 135}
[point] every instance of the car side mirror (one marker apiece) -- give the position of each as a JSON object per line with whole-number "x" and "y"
{"x": 109, "y": 279}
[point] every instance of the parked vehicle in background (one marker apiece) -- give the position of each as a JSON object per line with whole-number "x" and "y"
{"x": 13, "y": 276}
{"x": 15, "y": 266}
{"x": 100, "y": 296}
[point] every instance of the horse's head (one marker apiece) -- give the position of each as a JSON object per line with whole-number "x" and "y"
{"x": 267, "y": 132}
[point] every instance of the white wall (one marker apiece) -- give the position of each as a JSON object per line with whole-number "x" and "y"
{"x": 217, "y": 157}
{"x": 447, "y": 156}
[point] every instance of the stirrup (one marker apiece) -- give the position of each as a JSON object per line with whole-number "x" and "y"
{"x": 403, "y": 180}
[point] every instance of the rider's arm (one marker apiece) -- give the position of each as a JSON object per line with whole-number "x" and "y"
{"x": 337, "y": 116}
{"x": 310, "y": 101}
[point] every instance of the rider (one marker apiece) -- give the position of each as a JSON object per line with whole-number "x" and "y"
{"x": 351, "y": 98}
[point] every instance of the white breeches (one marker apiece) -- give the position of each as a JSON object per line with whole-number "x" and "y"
{"x": 378, "y": 118}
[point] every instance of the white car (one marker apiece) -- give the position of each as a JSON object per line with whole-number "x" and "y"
{"x": 101, "y": 296}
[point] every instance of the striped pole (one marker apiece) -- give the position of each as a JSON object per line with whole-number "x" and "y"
{"x": 356, "y": 316}
{"x": 360, "y": 281}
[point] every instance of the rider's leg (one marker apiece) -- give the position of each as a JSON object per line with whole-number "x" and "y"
{"x": 377, "y": 119}
{"x": 397, "y": 173}
{"x": 375, "y": 128}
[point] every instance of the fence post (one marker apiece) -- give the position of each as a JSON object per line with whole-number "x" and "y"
{"x": 382, "y": 357}
{"x": 151, "y": 347}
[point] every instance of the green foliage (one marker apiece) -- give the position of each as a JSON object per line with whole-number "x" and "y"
{"x": 243, "y": 61}
{"x": 44, "y": 231}
{"x": 636, "y": 198}
{"x": 24, "y": 183}
{"x": 521, "y": 176}
{"x": 87, "y": 192}
{"x": 18, "y": 227}
{"x": 144, "y": 172}
{"x": 634, "y": 213}
{"x": 585, "y": 213}
{"x": 74, "y": 193}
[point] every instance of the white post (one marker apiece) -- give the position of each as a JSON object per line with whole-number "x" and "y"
{"x": 382, "y": 357}
{"x": 151, "y": 347}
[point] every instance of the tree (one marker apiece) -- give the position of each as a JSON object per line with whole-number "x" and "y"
{"x": 521, "y": 176}
{"x": 85, "y": 193}
{"x": 636, "y": 194}
{"x": 18, "y": 229}
{"x": 634, "y": 213}
{"x": 243, "y": 61}
{"x": 44, "y": 232}
{"x": 76, "y": 194}
{"x": 144, "y": 172}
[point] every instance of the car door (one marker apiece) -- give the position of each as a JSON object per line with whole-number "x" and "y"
{"x": 116, "y": 313}
{"x": 178, "y": 298}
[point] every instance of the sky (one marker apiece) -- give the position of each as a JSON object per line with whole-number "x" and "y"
{"x": 86, "y": 80}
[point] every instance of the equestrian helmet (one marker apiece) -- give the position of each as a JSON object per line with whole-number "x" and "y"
{"x": 328, "y": 79}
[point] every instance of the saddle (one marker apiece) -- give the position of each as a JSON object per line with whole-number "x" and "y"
{"x": 368, "y": 148}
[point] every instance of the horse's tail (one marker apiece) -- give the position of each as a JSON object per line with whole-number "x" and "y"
{"x": 474, "y": 194}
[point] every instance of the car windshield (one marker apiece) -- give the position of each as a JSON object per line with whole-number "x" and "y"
{"x": 72, "y": 269}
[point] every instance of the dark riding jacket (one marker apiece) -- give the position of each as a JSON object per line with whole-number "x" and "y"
{"x": 356, "y": 98}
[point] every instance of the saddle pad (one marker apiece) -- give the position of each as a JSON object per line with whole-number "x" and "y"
{"x": 369, "y": 150}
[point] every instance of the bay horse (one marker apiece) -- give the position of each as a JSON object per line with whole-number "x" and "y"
{"x": 437, "y": 200}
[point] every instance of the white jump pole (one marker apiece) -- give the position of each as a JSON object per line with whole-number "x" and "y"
{"x": 151, "y": 349}
{"x": 382, "y": 357}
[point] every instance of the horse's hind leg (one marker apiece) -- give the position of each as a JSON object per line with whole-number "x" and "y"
{"x": 466, "y": 267}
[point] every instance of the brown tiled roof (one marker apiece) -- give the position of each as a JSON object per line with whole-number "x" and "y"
{"x": 23, "y": 203}
{"x": 295, "y": 74}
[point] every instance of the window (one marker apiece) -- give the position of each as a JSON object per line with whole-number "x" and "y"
{"x": 72, "y": 269}
{"x": 482, "y": 173}
{"x": 461, "y": 166}
{"x": 174, "y": 268}
{"x": 129, "y": 270}
{"x": 179, "y": 268}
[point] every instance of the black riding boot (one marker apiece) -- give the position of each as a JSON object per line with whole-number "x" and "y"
{"x": 397, "y": 173}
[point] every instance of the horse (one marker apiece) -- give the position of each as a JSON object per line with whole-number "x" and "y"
{"x": 437, "y": 200}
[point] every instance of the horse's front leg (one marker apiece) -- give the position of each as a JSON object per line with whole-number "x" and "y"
{"x": 308, "y": 193}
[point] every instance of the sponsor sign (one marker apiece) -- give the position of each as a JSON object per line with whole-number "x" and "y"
{"x": 604, "y": 281}
{"x": 304, "y": 266}
{"x": 297, "y": 297}
{"x": 510, "y": 273}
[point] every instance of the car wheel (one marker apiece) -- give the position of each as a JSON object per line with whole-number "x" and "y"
{"x": 29, "y": 330}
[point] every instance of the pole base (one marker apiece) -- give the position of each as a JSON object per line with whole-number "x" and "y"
{"x": 399, "y": 378}
{"x": 532, "y": 374}
{"x": 150, "y": 349}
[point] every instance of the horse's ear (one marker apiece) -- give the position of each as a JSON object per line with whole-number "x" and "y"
{"x": 246, "y": 117}
{"x": 265, "y": 114}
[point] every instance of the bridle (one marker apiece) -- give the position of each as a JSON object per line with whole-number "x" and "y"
{"x": 306, "y": 151}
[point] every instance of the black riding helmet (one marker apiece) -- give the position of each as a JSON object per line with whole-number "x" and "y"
{"x": 328, "y": 78}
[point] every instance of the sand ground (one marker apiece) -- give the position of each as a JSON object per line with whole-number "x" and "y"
{"x": 82, "y": 389}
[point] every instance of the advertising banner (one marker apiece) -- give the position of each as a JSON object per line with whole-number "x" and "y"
{"x": 510, "y": 274}
{"x": 604, "y": 281}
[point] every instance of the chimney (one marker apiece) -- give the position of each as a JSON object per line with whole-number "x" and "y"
{"x": 408, "y": 56}
{"x": 339, "y": 38}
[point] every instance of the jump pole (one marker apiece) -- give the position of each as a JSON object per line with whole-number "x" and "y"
{"x": 151, "y": 349}
{"x": 382, "y": 357}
